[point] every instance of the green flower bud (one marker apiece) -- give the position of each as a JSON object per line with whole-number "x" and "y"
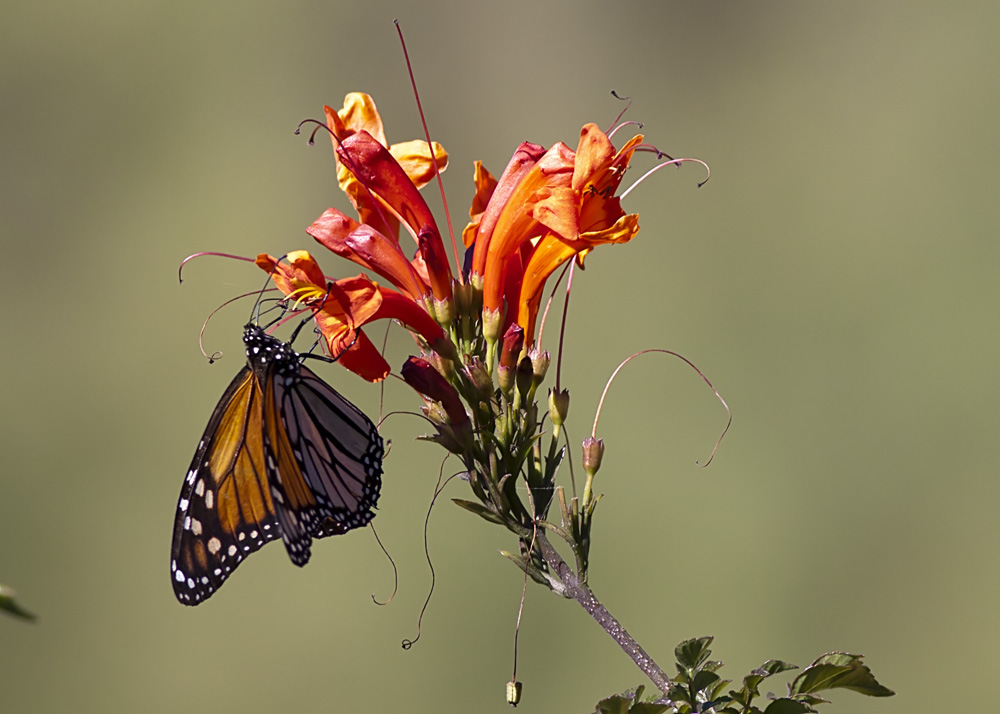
{"x": 558, "y": 406}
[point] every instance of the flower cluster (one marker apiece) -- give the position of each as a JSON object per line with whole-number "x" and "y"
{"x": 480, "y": 364}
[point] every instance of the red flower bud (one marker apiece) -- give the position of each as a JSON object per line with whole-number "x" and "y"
{"x": 513, "y": 343}
{"x": 421, "y": 375}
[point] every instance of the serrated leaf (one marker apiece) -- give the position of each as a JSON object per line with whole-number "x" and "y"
{"x": 479, "y": 509}
{"x": 839, "y": 670}
{"x": 787, "y": 706}
{"x": 691, "y": 653}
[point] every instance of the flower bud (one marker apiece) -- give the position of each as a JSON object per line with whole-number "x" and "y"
{"x": 462, "y": 292}
{"x": 558, "y": 405}
{"x": 505, "y": 376}
{"x": 444, "y": 311}
{"x": 524, "y": 376}
{"x": 476, "y": 373}
{"x": 593, "y": 452}
{"x": 513, "y": 343}
{"x": 421, "y": 375}
{"x": 492, "y": 324}
{"x": 540, "y": 362}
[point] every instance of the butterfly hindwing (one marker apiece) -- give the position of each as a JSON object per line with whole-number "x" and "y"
{"x": 225, "y": 510}
{"x": 325, "y": 456}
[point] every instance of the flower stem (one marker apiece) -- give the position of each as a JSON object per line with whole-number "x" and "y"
{"x": 585, "y": 596}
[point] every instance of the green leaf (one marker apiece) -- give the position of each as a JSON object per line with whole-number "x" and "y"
{"x": 787, "y": 706}
{"x": 717, "y": 689}
{"x": 839, "y": 670}
{"x": 479, "y": 510}
{"x": 628, "y": 703}
{"x": 811, "y": 699}
{"x": 10, "y": 604}
{"x": 649, "y": 708}
{"x": 703, "y": 680}
{"x": 774, "y": 666}
{"x": 616, "y": 704}
{"x": 691, "y": 653}
{"x": 536, "y": 575}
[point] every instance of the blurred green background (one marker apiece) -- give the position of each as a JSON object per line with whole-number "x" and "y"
{"x": 837, "y": 279}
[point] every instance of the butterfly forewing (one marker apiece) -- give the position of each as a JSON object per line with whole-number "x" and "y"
{"x": 225, "y": 510}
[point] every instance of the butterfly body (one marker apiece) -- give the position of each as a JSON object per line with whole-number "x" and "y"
{"x": 283, "y": 456}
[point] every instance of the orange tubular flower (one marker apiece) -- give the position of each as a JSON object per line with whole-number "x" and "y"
{"x": 342, "y": 307}
{"x": 545, "y": 212}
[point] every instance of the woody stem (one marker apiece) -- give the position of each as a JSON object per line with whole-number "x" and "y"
{"x": 585, "y": 596}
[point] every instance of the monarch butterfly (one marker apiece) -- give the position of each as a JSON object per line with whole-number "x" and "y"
{"x": 283, "y": 455}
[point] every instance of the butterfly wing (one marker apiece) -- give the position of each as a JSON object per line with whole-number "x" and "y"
{"x": 324, "y": 459}
{"x": 225, "y": 510}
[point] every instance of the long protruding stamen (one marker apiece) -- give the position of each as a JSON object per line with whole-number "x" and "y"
{"x": 600, "y": 404}
{"x": 562, "y": 327}
{"x": 613, "y": 131}
{"x": 548, "y": 304}
{"x": 430, "y": 148}
{"x": 672, "y": 162}
{"x": 395, "y": 570}
{"x": 180, "y": 269}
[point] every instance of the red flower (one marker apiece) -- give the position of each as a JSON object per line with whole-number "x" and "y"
{"x": 383, "y": 183}
{"x": 344, "y": 306}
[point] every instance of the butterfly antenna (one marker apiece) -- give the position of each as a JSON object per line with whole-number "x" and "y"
{"x": 395, "y": 571}
{"x": 438, "y": 488}
{"x": 201, "y": 335}
{"x": 255, "y": 314}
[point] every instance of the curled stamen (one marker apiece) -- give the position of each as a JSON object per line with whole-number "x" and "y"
{"x": 395, "y": 571}
{"x": 184, "y": 262}
{"x": 652, "y": 149}
{"x": 312, "y": 136}
{"x": 691, "y": 364}
{"x": 438, "y": 488}
{"x": 628, "y": 101}
{"x": 675, "y": 162}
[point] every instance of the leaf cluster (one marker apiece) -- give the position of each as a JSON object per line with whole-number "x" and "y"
{"x": 698, "y": 687}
